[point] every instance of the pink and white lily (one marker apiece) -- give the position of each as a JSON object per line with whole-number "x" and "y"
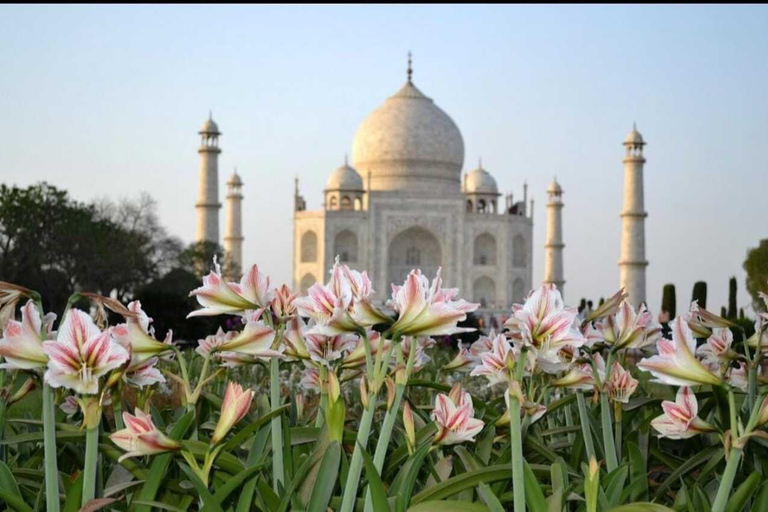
{"x": 621, "y": 385}
{"x": 545, "y": 325}
{"x": 81, "y": 354}
{"x": 141, "y": 437}
{"x": 607, "y": 308}
{"x": 219, "y": 297}
{"x": 680, "y": 420}
{"x": 254, "y": 343}
{"x": 454, "y": 416}
{"x": 356, "y": 357}
{"x": 324, "y": 350}
{"x": 420, "y": 358}
{"x": 310, "y": 378}
{"x": 213, "y": 342}
{"x": 282, "y": 303}
{"x": 497, "y": 365}
{"x": 234, "y": 407}
{"x": 145, "y": 374}
{"x": 717, "y": 350}
{"x": 627, "y": 329}
{"x": 425, "y": 310}
{"x": 676, "y": 363}
{"x": 136, "y": 336}
{"x": 22, "y": 342}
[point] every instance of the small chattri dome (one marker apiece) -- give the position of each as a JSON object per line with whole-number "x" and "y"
{"x": 634, "y": 137}
{"x": 345, "y": 178}
{"x": 210, "y": 127}
{"x": 555, "y": 188}
{"x": 235, "y": 179}
{"x": 480, "y": 181}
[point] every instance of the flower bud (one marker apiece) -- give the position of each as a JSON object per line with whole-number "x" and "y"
{"x": 234, "y": 407}
{"x": 391, "y": 389}
{"x": 408, "y": 425}
{"x": 299, "y": 400}
{"x": 334, "y": 388}
{"x": 364, "y": 392}
{"x": 26, "y": 388}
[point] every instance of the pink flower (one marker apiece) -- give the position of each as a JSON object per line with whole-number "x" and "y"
{"x": 293, "y": 340}
{"x": 234, "y": 407}
{"x": 680, "y": 420}
{"x": 310, "y": 379}
{"x": 621, "y": 384}
{"x": 420, "y": 358}
{"x": 463, "y": 362}
{"x": 282, "y": 304}
{"x": 544, "y": 324}
{"x": 737, "y": 376}
{"x": 141, "y": 437}
{"x": 70, "y": 406}
{"x": 219, "y": 297}
{"x": 497, "y": 364}
{"x": 581, "y": 374}
{"x": 425, "y": 310}
{"x": 252, "y": 344}
{"x": 145, "y": 374}
{"x": 717, "y": 350}
{"x": 213, "y": 342}
{"x": 22, "y": 342}
{"x": 81, "y": 354}
{"x": 627, "y": 329}
{"x": 608, "y": 307}
{"x": 136, "y": 336}
{"x": 324, "y": 350}
{"x": 676, "y": 364}
{"x": 356, "y": 357}
{"x": 454, "y": 416}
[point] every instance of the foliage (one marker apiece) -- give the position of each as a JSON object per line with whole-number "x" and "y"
{"x": 700, "y": 293}
{"x": 732, "y": 304}
{"x": 756, "y": 267}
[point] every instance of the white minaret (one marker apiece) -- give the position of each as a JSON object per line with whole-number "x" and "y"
{"x": 553, "y": 248}
{"x": 233, "y": 226}
{"x": 632, "y": 262}
{"x": 208, "y": 204}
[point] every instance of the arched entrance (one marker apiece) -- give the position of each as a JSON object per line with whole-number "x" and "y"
{"x": 413, "y": 248}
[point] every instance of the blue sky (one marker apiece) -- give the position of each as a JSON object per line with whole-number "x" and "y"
{"x": 107, "y": 100}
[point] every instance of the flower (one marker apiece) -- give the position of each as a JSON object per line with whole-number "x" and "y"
{"x": 709, "y": 319}
{"x": 234, "y": 407}
{"x": 679, "y": 420}
{"x": 409, "y": 426}
{"x": 310, "y": 379}
{"x": 213, "y": 342}
{"x": 717, "y": 350}
{"x": 145, "y": 374}
{"x": 608, "y": 307}
{"x": 22, "y": 342}
{"x": 675, "y": 363}
{"x": 425, "y": 310}
{"x": 141, "y": 437}
{"x": 627, "y": 329}
{"x": 454, "y": 416}
{"x": 81, "y": 354}
{"x": 323, "y": 350}
{"x": 737, "y": 376}
{"x": 463, "y": 362}
{"x": 420, "y": 358}
{"x": 282, "y": 303}
{"x": 544, "y": 324}
{"x": 497, "y": 364}
{"x": 621, "y": 385}
{"x": 253, "y": 343}
{"x": 293, "y": 340}
{"x": 136, "y": 336}
{"x": 70, "y": 406}
{"x": 219, "y": 297}
{"x": 357, "y": 356}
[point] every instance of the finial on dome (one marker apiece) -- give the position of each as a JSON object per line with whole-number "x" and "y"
{"x": 410, "y": 67}
{"x": 346, "y": 159}
{"x": 210, "y": 115}
{"x": 634, "y": 125}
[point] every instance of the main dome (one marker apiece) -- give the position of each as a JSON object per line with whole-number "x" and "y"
{"x": 409, "y": 143}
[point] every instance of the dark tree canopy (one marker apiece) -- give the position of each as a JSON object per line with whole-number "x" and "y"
{"x": 756, "y": 266}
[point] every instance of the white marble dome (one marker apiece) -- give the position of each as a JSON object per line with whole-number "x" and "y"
{"x": 634, "y": 137}
{"x": 409, "y": 143}
{"x": 344, "y": 178}
{"x": 209, "y": 127}
{"x": 480, "y": 181}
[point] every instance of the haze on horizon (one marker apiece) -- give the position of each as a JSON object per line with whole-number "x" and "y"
{"x": 107, "y": 101}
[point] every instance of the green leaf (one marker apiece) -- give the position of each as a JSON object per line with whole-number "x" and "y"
{"x": 641, "y": 507}
{"x": 245, "y": 502}
{"x": 404, "y": 488}
{"x": 700, "y": 500}
{"x": 761, "y": 502}
{"x": 157, "y": 504}
{"x": 534, "y": 496}
{"x": 637, "y": 472}
{"x": 447, "y": 506}
{"x": 209, "y": 502}
{"x": 743, "y": 493}
{"x": 236, "y": 481}
{"x": 471, "y": 463}
{"x": 271, "y": 500}
{"x": 13, "y": 501}
{"x": 614, "y": 483}
{"x": 74, "y": 495}
{"x": 239, "y": 438}
{"x": 463, "y": 481}
{"x": 159, "y": 467}
{"x": 687, "y": 466}
{"x": 8, "y": 481}
{"x": 378, "y": 494}
{"x": 326, "y": 479}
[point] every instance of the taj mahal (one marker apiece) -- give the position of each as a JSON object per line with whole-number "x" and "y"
{"x": 403, "y": 202}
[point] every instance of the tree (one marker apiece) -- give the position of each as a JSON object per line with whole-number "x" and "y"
{"x": 756, "y": 267}
{"x": 732, "y": 303}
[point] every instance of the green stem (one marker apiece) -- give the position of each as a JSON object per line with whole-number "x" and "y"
{"x": 49, "y": 442}
{"x": 569, "y": 422}
{"x": 610, "y": 448}
{"x": 518, "y": 475}
{"x": 617, "y": 428}
{"x": 734, "y": 420}
{"x": 278, "y": 476}
{"x": 726, "y": 482}
{"x": 91, "y": 461}
{"x": 383, "y": 443}
{"x": 586, "y": 433}
{"x": 356, "y": 464}
{"x": 117, "y": 408}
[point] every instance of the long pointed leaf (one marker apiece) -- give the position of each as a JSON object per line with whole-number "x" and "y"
{"x": 326, "y": 479}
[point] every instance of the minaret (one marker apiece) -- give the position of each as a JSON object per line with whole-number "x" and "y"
{"x": 553, "y": 248}
{"x": 233, "y": 227}
{"x": 632, "y": 263}
{"x": 208, "y": 204}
